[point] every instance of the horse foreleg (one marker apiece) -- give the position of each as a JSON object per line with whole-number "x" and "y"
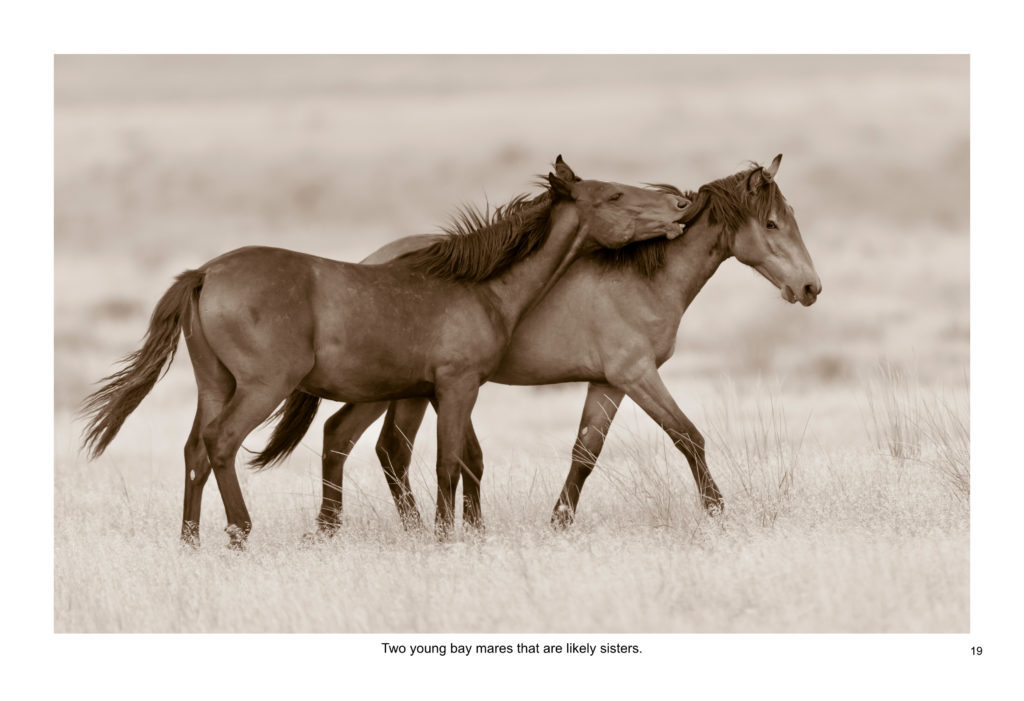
{"x": 598, "y": 413}
{"x": 394, "y": 450}
{"x": 473, "y": 473}
{"x": 341, "y": 432}
{"x": 650, "y": 393}
{"x": 455, "y": 400}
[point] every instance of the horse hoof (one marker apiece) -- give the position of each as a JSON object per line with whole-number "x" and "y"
{"x": 238, "y": 537}
{"x": 412, "y": 523}
{"x": 561, "y": 518}
{"x": 190, "y": 534}
{"x": 328, "y": 530}
{"x": 474, "y": 524}
{"x": 320, "y": 535}
{"x": 715, "y": 508}
{"x": 443, "y": 533}
{"x": 475, "y": 532}
{"x": 413, "y": 526}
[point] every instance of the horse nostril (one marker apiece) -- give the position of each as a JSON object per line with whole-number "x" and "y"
{"x": 812, "y": 289}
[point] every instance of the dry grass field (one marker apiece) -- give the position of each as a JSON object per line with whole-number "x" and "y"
{"x": 838, "y": 433}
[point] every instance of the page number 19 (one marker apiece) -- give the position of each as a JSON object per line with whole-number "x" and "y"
{"x": 976, "y": 650}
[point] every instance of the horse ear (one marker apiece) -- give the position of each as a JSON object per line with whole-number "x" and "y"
{"x": 563, "y": 171}
{"x": 559, "y": 188}
{"x": 762, "y": 176}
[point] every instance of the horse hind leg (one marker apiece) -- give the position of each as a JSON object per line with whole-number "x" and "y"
{"x": 341, "y": 431}
{"x": 215, "y": 386}
{"x": 197, "y": 470}
{"x": 455, "y": 400}
{"x": 249, "y": 406}
{"x": 394, "y": 450}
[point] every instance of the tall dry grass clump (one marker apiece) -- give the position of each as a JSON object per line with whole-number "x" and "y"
{"x": 930, "y": 425}
{"x": 758, "y": 449}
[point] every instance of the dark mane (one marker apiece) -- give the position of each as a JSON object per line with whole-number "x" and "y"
{"x": 483, "y": 243}
{"x": 728, "y": 202}
{"x": 646, "y": 258}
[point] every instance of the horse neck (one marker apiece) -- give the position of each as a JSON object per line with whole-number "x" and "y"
{"x": 519, "y": 288}
{"x": 691, "y": 260}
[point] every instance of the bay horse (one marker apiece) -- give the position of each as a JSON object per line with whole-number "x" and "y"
{"x": 262, "y": 323}
{"x": 611, "y": 321}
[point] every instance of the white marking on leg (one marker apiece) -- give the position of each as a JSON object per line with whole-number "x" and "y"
{"x": 192, "y": 475}
{"x": 585, "y": 431}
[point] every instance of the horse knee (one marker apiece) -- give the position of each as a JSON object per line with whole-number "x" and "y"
{"x": 448, "y": 473}
{"x": 474, "y": 458}
{"x": 219, "y": 448}
{"x": 195, "y": 451}
{"x": 383, "y": 454}
{"x": 391, "y": 454}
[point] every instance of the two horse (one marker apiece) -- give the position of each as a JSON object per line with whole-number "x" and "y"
{"x": 261, "y": 324}
{"x": 611, "y": 321}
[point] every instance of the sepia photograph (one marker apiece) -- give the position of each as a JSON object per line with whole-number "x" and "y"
{"x": 512, "y": 344}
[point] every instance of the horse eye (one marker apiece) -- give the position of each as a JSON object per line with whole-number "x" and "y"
{"x": 772, "y": 224}
{"x": 616, "y": 196}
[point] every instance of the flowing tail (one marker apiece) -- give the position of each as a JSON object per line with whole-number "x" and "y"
{"x": 296, "y": 414}
{"x": 108, "y": 407}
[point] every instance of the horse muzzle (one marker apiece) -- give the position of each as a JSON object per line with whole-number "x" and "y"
{"x": 807, "y": 295}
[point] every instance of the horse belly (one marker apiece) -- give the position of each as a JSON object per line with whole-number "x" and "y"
{"x": 360, "y": 360}
{"x": 591, "y": 320}
{"x": 558, "y": 350}
{"x": 392, "y": 339}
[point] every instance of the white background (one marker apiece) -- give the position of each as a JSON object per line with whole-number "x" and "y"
{"x": 942, "y": 666}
